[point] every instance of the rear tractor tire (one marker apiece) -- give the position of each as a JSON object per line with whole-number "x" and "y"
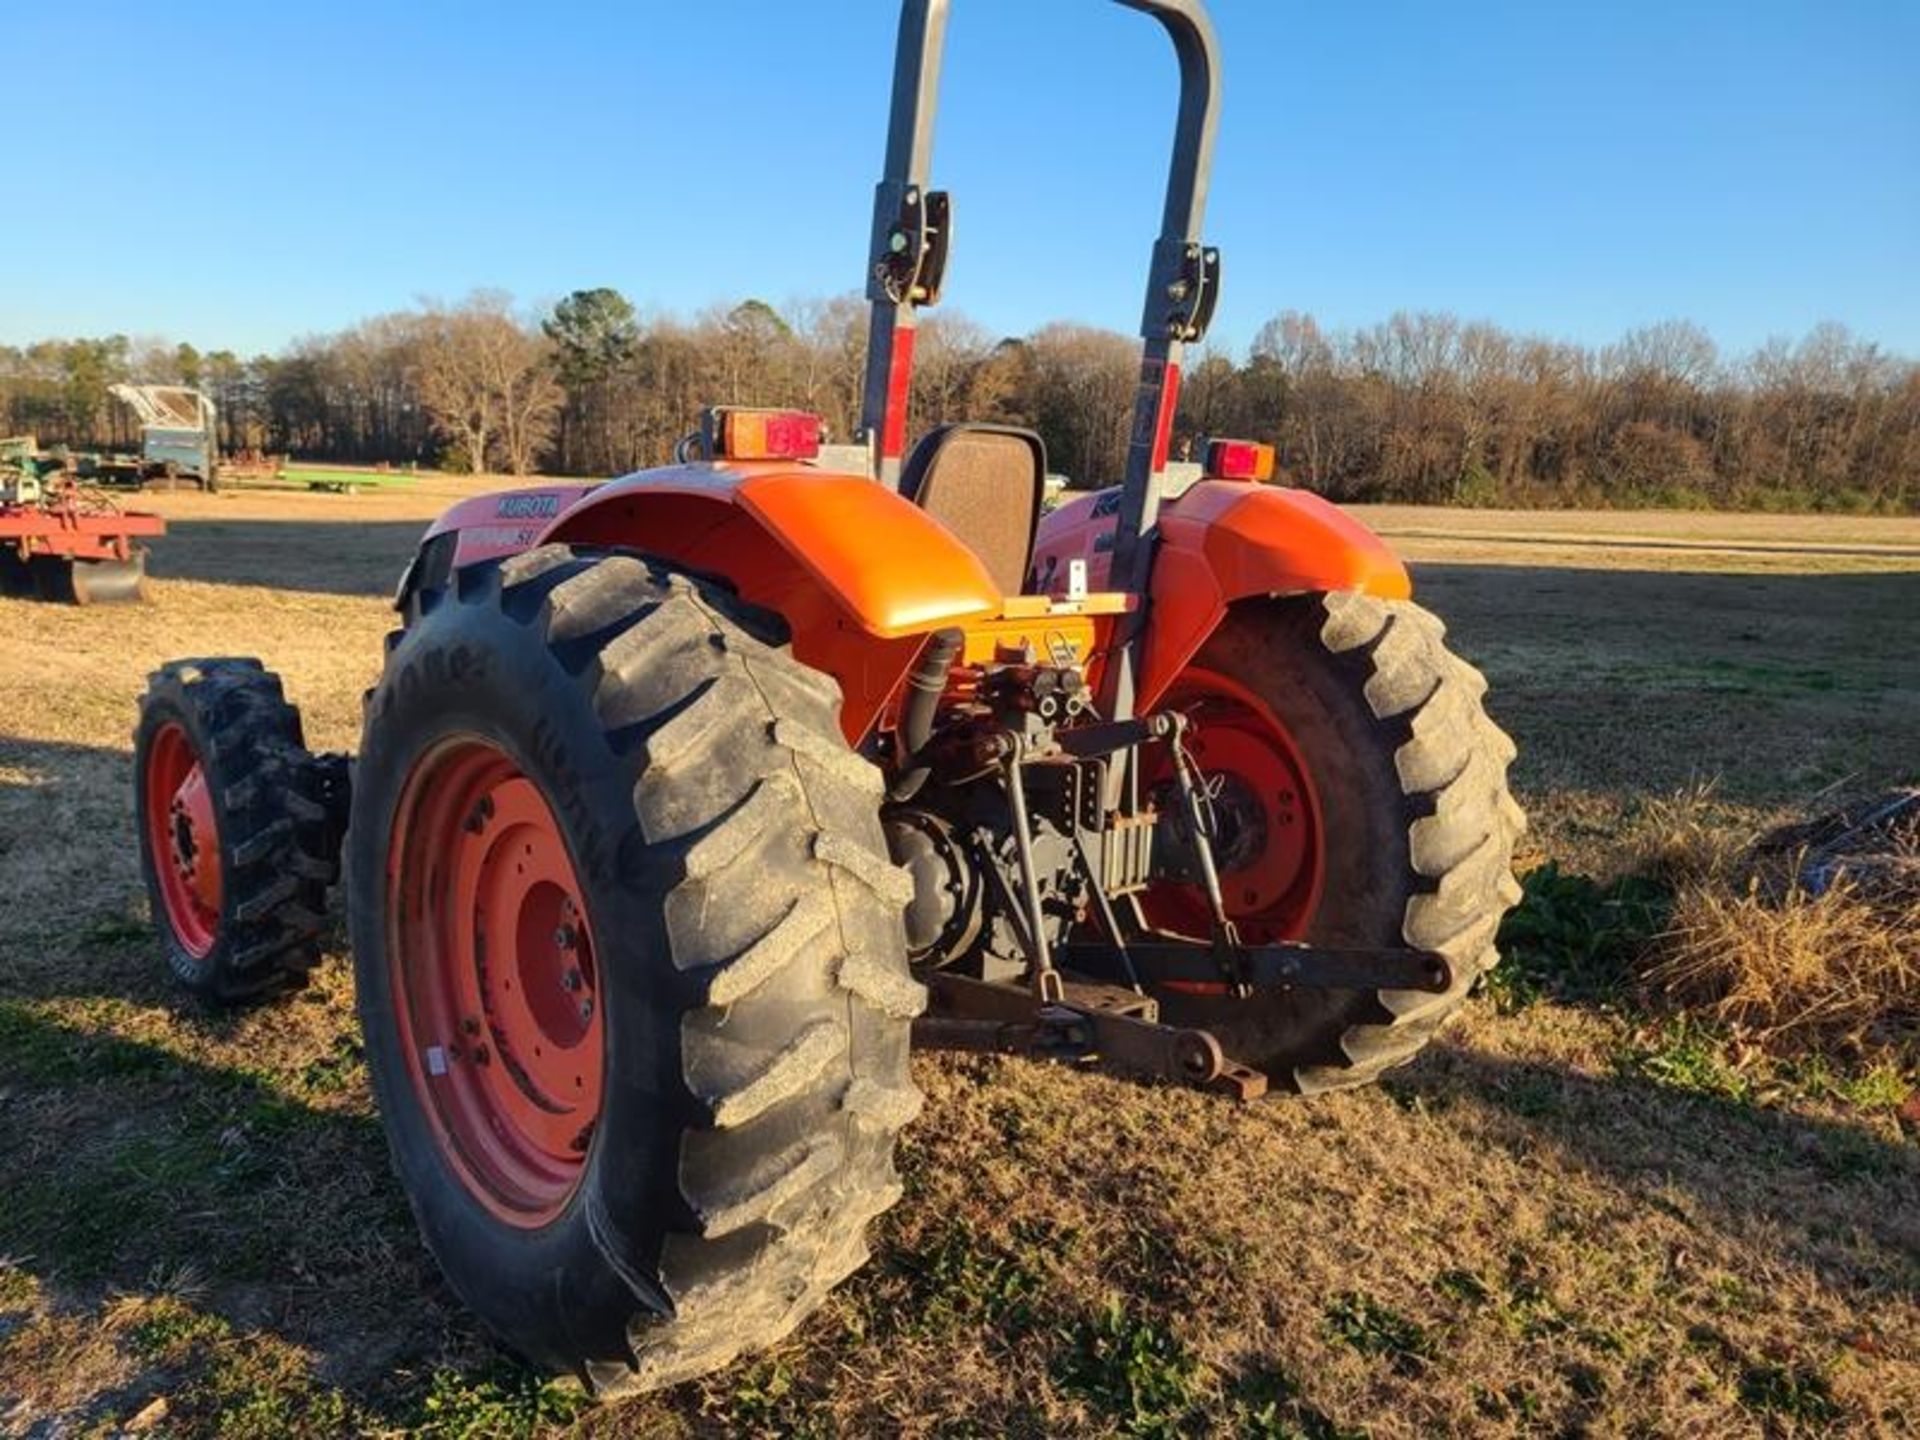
{"x": 1365, "y": 798}
{"x": 630, "y": 963}
{"x": 237, "y": 829}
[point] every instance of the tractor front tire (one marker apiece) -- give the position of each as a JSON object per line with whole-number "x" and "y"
{"x": 232, "y": 828}
{"x": 630, "y": 962}
{"x": 1393, "y": 824}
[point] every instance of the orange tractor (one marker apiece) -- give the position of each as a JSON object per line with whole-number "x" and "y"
{"x": 687, "y": 802}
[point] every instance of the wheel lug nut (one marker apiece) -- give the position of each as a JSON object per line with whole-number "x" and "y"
{"x": 571, "y": 980}
{"x": 565, "y": 936}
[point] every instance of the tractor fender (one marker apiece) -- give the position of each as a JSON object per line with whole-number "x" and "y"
{"x": 501, "y": 522}
{"x": 482, "y": 527}
{"x": 1221, "y": 541}
{"x": 860, "y": 575}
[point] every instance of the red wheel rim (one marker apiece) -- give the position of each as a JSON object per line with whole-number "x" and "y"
{"x": 494, "y": 979}
{"x": 1271, "y": 853}
{"x": 183, "y": 839}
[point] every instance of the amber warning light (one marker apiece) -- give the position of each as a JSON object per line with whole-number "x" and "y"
{"x": 1239, "y": 460}
{"x": 769, "y": 435}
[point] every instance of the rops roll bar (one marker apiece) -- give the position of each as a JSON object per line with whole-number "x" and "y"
{"x": 911, "y": 225}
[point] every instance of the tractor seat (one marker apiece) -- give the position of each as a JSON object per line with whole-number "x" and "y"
{"x": 985, "y": 484}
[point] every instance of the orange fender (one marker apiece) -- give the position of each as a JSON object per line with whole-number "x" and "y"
{"x": 1226, "y": 540}
{"x": 860, "y": 575}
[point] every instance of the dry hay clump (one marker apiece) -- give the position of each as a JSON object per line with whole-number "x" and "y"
{"x": 1808, "y": 938}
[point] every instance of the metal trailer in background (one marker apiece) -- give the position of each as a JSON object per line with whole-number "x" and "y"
{"x": 178, "y": 442}
{"x": 179, "y": 439}
{"x": 343, "y": 479}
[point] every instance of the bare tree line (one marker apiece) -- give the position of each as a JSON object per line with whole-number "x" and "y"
{"x": 1420, "y": 407}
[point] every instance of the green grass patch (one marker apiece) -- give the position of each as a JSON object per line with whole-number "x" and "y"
{"x": 1574, "y": 939}
{"x": 228, "y": 1383}
{"x": 1463, "y": 1287}
{"x": 1791, "y": 1392}
{"x": 1881, "y": 1085}
{"x": 504, "y": 1402}
{"x": 1135, "y": 1371}
{"x": 1364, "y": 1324}
{"x": 1683, "y": 1054}
{"x": 1516, "y": 1402}
{"x": 234, "y": 1385}
{"x": 113, "y": 930}
{"x": 340, "y": 1069}
{"x": 1267, "y": 1405}
{"x": 169, "y": 1328}
{"x": 964, "y": 1280}
{"x": 768, "y": 1400}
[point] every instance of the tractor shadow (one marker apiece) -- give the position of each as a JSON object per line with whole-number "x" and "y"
{"x": 69, "y": 866}
{"x": 136, "y": 1170}
{"x": 153, "y": 1144}
{"x": 73, "y": 907}
{"x": 323, "y": 557}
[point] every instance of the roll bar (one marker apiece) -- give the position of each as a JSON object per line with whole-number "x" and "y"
{"x": 908, "y": 255}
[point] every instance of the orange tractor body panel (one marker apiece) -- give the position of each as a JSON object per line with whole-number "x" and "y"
{"x": 859, "y": 574}
{"x": 862, "y": 575}
{"x": 1222, "y": 541}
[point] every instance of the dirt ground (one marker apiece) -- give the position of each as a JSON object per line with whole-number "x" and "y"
{"x": 1573, "y": 1216}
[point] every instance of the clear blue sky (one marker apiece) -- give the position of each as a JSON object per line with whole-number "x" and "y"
{"x": 1568, "y": 169}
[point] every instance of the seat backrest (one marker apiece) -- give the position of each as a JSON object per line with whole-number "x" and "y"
{"x": 985, "y": 484}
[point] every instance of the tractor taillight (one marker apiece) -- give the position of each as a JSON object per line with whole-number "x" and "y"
{"x": 1238, "y": 460}
{"x": 769, "y": 435}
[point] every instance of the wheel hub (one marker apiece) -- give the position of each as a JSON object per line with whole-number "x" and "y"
{"x": 183, "y": 840}
{"x": 495, "y": 978}
{"x": 1267, "y": 816}
{"x": 1240, "y": 821}
{"x": 194, "y": 851}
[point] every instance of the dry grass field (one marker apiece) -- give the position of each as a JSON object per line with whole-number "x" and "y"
{"x": 1583, "y": 1212}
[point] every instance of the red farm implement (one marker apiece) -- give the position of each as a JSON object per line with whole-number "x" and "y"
{"x": 65, "y": 541}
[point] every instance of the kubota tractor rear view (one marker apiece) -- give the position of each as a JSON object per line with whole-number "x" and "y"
{"x": 685, "y": 803}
